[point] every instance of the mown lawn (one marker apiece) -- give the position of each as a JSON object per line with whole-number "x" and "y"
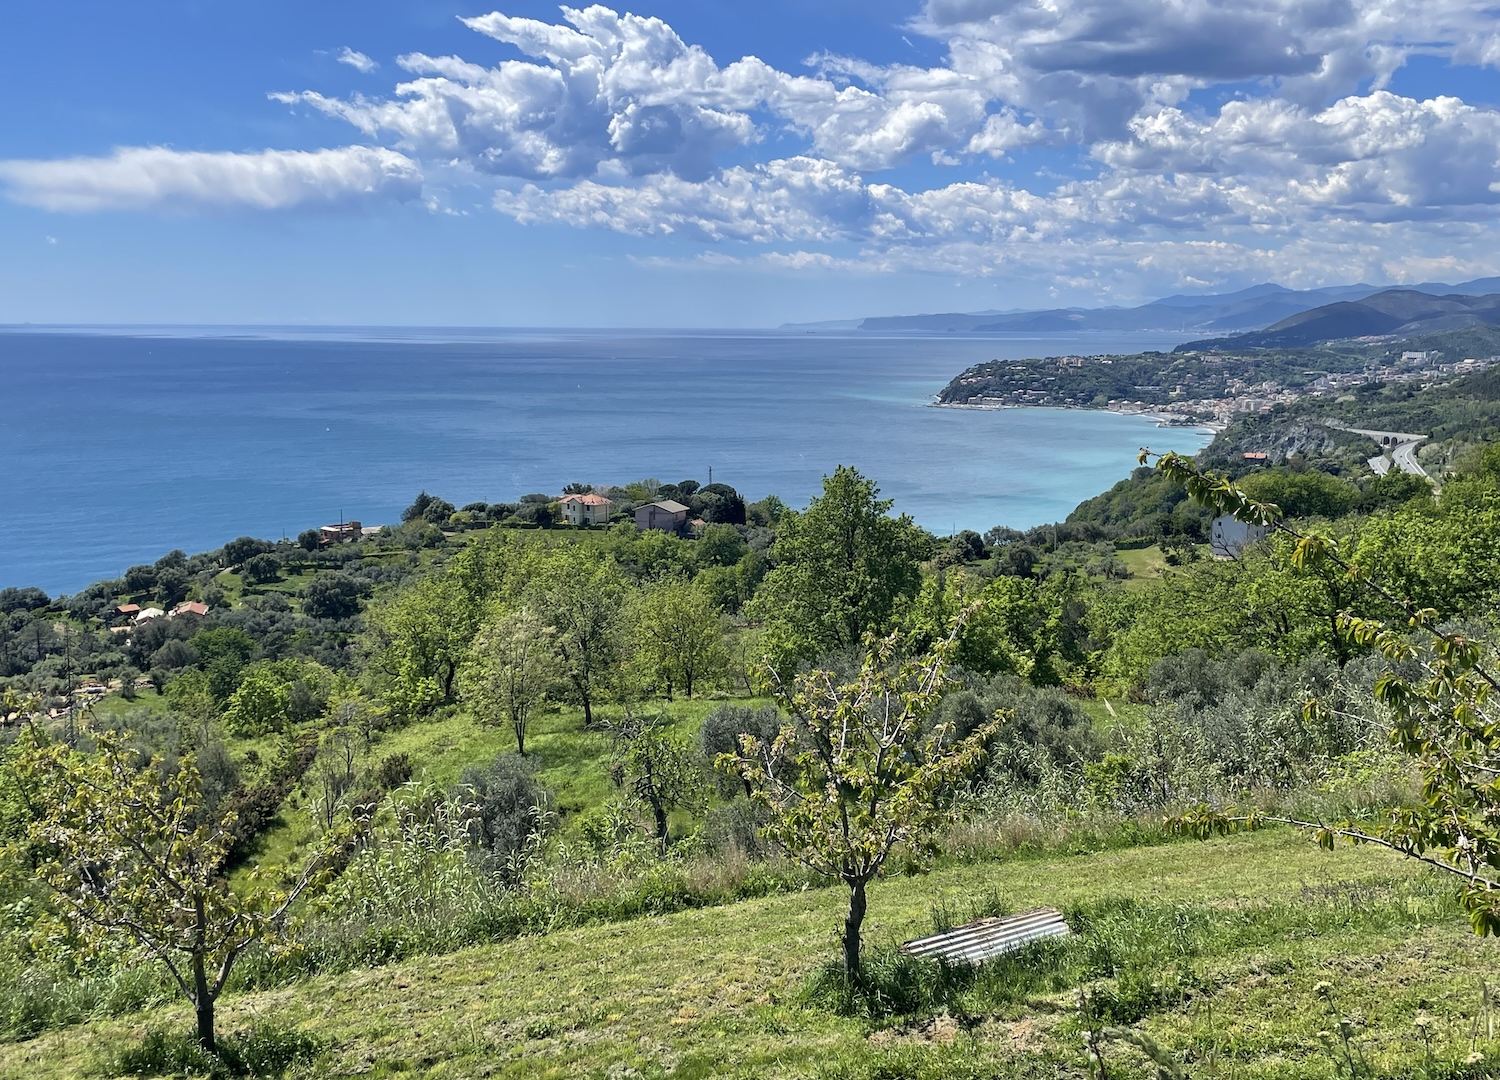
{"x": 1251, "y": 925}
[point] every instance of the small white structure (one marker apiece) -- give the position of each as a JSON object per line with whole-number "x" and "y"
{"x": 585, "y": 509}
{"x": 147, "y": 615}
{"x": 1230, "y": 536}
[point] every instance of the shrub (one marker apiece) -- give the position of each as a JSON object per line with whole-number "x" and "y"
{"x": 393, "y": 771}
{"x": 503, "y": 809}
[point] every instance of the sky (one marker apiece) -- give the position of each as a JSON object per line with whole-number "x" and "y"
{"x": 699, "y": 163}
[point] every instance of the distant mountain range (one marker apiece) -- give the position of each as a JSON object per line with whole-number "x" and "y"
{"x": 1400, "y": 312}
{"x": 1268, "y": 308}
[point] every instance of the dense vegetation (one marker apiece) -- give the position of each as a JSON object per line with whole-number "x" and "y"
{"x": 483, "y": 725}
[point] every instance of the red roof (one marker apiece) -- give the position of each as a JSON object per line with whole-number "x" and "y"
{"x": 128, "y": 609}
{"x": 587, "y": 500}
{"x": 191, "y": 608}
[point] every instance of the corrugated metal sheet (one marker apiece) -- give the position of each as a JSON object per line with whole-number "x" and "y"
{"x": 985, "y": 939}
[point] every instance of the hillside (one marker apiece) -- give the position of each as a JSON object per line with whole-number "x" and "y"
{"x": 1404, "y": 312}
{"x": 721, "y": 991}
{"x": 579, "y": 801}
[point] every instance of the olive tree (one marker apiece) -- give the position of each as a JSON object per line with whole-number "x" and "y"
{"x": 859, "y": 772}
{"x": 133, "y": 855}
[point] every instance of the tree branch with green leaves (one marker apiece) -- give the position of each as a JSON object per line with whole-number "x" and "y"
{"x": 1439, "y": 693}
{"x": 128, "y": 851}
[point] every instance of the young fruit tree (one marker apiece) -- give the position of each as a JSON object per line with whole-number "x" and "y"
{"x": 131, "y": 851}
{"x": 512, "y": 667}
{"x": 1440, "y": 692}
{"x": 858, "y": 772}
{"x": 656, "y": 768}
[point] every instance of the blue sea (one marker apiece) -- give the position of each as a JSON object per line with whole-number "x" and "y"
{"x": 118, "y": 445}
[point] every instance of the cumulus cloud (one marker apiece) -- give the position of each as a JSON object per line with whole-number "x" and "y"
{"x": 357, "y": 60}
{"x": 604, "y": 92}
{"x": 613, "y": 121}
{"x": 1090, "y": 66}
{"x": 138, "y": 178}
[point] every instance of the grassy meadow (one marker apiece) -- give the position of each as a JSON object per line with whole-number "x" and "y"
{"x": 1217, "y": 951}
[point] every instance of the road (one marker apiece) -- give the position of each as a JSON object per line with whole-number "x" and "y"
{"x": 1405, "y": 457}
{"x": 1401, "y": 444}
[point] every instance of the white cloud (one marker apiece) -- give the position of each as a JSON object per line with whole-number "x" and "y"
{"x": 612, "y": 121}
{"x": 606, "y": 91}
{"x": 357, "y": 60}
{"x": 1090, "y": 66}
{"x": 138, "y": 178}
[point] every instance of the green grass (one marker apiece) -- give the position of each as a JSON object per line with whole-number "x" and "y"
{"x": 571, "y": 762}
{"x": 1243, "y": 930}
{"x": 1144, "y": 564}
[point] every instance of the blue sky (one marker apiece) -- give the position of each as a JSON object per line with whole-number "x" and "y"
{"x": 441, "y": 164}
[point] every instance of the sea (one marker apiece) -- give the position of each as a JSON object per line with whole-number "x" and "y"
{"x": 120, "y": 444}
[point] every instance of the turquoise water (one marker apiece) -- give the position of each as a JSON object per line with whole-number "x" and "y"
{"x": 116, "y": 447}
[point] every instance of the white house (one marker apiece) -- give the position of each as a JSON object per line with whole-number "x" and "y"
{"x": 1230, "y": 536}
{"x": 585, "y": 509}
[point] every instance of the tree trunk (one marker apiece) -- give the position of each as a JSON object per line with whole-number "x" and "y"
{"x": 583, "y": 694}
{"x": 203, "y": 1005}
{"x": 520, "y": 727}
{"x": 450, "y": 671}
{"x": 659, "y": 811}
{"x": 852, "y": 925}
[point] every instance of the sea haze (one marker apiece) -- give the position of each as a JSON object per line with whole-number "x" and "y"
{"x": 119, "y": 446}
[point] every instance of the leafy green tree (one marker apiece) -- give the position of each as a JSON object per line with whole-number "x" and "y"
{"x": 259, "y": 704}
{"x": 657, "y": 769}
{"x": 679, "y": 640}
{"x": 309, "y": 539}
{"x": 135, "y": 857}
{"x": 224, "y": 651}
{"x": 418, "y": 640}
{"x": 1302, "y": 494}
{"x": 724, "y": 728}
{"x": 719, "y": 545}
{"x": 584, "y": 595}
{"x": 261, "y": 569}
{"x": 859, "y": 771}
{"x": 241, "y": 548}
{"x": 1014, "y": 626}
{"x": 332, "y": 596}
{"x": 512, "y": 666}
{"x": 505, "y": 811}
{"x": 1439, "y": 691}
{"x": 842, "y": 568}
{"x": 718, "y": 504}
{"x": 417, "y": 511}
{"x": 140, "y": 579}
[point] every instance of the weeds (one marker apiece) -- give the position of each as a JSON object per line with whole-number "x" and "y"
{"x": 257, "y": 1052}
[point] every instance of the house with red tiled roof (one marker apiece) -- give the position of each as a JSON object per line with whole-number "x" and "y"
{"x": 587, "y": 509}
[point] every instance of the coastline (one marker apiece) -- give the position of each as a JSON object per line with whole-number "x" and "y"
{"x": 1163, "y": 420}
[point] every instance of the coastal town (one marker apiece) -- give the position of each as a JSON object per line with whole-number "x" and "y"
{"x": 1192, "y": 389}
